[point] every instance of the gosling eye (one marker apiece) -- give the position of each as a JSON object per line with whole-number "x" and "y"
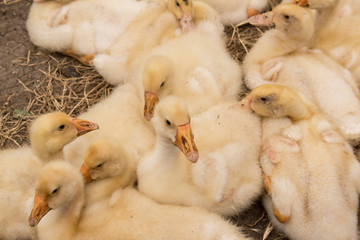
{"x": 61, "y": 127}
{"x": 286, "y": 16}
{"x": 168, "y": 122}
{"x": 177, "y": 3}
{"x": 55, "y": 191}
{"x": 99, "y": 165}
{"x": 263, "y": 99}
{"x": 268, "y": 100}
{"x": 162, "y": 84}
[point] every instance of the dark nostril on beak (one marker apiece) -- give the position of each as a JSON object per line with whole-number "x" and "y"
{"x": 185, "y": 143}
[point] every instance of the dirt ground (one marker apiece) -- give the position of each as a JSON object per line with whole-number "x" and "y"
{"x": 33, "y": 78}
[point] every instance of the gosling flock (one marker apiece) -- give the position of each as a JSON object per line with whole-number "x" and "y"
{"x": 174, "y": 149}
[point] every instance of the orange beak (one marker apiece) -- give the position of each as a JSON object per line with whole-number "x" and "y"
{"x": 85, "y": 173}
{"x": 185, "y": 141}
{"x": 252, "y": 12}
{"x": 150, "y": 101}
{"x": 84, "y": 126}
{"x": 39, "y": 210}
{"x": 246, "y": 103}
{"x": 264, "y": 19}
{"x": 302, "y": 3}
{"x": 186, "y": 22}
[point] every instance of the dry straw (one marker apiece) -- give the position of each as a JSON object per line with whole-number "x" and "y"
{"x": 65, "y": 85}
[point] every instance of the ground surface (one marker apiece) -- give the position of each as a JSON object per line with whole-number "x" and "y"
{"x": 35, "y": 81}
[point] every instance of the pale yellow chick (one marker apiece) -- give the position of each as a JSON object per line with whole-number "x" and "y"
{"x": 311, "y": 173}
{"x": 278, "y": 58}
{"x": 80, "y": 28}
{"x": 210, "y": 161}
{"x": 112, "y": 164}
{"x": 196, "y": 67}
{"x": 48, "y": 133}
{"x": 337, "y": 32}
{"x": 121, "y": 62}
{"x": 59, "y": 213}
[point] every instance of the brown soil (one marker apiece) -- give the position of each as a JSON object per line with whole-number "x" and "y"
{"x": 35, "y": 81}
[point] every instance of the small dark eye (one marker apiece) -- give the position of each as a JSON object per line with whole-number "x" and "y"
{"x": 286, "y": 16}
{"x": 61, "y": 127}
{"x": 162, "y": 84}
{"x": 168, "y": 122}
{"x": 99, "y": 165}
{"x": 177, "y": 3}
{"x": 54, "y": 191}
{"x": 264, "y": 99}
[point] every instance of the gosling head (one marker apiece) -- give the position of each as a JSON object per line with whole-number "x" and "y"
{"x": 104, "y": 159}
{"x": 294, "y": 21}
{"x": 183, "y": 11}
{"x": 50, "y": 132}
{"x": 275, "y": 101}
{"x": 58, "y": 184}
{"x": 172, "y": 122}
{"x": 158, "y": 75}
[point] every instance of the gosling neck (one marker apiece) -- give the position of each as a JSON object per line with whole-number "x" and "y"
{"x": 299, "y": 110}
{"x": 45, "y": 154}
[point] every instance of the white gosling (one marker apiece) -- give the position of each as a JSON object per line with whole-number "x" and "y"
{"x": 120, "y": 116}
{"x": 196, "y": 67}
{"x": 311, "y": 173}
{"x": 294, "y": 28}
{"x": 337, "y": 31}
{"x": 80, "y": 29}
{"x": 59, "y": 213}
{"x": 167, "y": 20}
{"x": 307, "y": 71}
{"x": 112, "y": 164}
{"x": 48, "y": 133}
{"x": 220, "y": 172}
